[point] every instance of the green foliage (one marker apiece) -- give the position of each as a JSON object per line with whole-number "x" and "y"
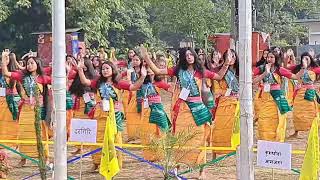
{"x": 130, "y": 25}
{"x": 4, "y": 11}
{"x": 18, "y": 19}
{"x": 170, "y": 149}
{"x": 127, "y": 23}
{"x": 191, "y": 18}
{"x": 278, "y": 18}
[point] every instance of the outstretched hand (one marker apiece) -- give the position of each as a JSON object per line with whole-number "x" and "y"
{"x": 143, "y": 71}
{"x": 304, "y": 62}
{"x": 143, "y": 51}
{"x": 5, "y": 57}
{"x": 81, "y": 64}
{"x": 268, "y": 67}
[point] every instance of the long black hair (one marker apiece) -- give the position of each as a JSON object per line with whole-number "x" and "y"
{"x": 40, "y": 72}
{"x": 277, "y": 58}
{"x": 313, "y": 63}
{"x": 130, "y": 59}
{"x": 262, "y": 60}
{"x": 236, "y": 63}
{"x": 183, "y": 64}
{"x": 115, "y": 73}
{"x": 147, "y": 79}
{"x": 76, "y": 87}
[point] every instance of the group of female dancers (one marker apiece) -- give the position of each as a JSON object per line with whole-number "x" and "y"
{"x": 205, "y": 96}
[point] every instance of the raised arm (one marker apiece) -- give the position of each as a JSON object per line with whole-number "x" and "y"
{"x": 16, "y": 62}
{"x": 19, "y": 66}
{"x": 139, "y": 82}
{"x": 225, "y": 66}
{"x": 222, "y": 72}
{"x": 4, "y": 65}
{"x": 301, "y": 72}
{"x": 83, "y": 78}
{"x": 153, "y": 67}
{"x": 259, "y": 77}
{"x": 298, "y": 75}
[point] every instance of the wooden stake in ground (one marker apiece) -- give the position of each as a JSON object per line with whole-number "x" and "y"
{"x": 246, "y": 109}
{"x": 81, "y": 161}
{"x": 37, "y": 125}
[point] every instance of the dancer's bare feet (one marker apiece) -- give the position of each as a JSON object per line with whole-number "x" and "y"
{"x": 94, "y": 168}
{"x": 22, "y": 163}
{"x": 132, "y": 140}
{"x": 3, "y": 175}
{"x": 78, "y": 151}
{"x": 202, "y": 175}
{"x": 294, "y": 135}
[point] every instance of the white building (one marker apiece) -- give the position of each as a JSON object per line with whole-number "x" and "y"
{"x": 314, "y": 30}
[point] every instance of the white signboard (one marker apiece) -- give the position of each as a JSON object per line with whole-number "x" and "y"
{"x": 83, "y": 130}
{"x": 274, "y": 155}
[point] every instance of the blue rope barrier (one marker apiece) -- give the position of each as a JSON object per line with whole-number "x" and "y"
{"x": 69, "y": 162}
{"x": 84, "y": 155}
{"x": 157, "y": 166}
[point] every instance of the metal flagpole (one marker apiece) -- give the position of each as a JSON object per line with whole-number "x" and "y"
{"x": 246, "y": 110}
{"x": 59, "y": 89}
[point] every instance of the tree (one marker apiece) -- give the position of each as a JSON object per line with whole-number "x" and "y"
{"x": 278, "y": 18}
{"x": 18, "y": 19}
{"x": 190, "y": 18}
{"x": 130, "y": 25}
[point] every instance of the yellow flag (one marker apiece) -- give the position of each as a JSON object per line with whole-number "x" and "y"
{"x": 109, "y": 166}
{"x": 309, "y": 170}
{"x": 235, "y": 139}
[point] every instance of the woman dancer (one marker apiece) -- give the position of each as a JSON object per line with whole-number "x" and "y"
{"x": 108, "y": 87}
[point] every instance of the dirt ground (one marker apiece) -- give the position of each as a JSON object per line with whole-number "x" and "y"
{"x": 133, "y": 169}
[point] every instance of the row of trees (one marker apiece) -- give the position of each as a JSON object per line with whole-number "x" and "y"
{"x": 125, "y": 23}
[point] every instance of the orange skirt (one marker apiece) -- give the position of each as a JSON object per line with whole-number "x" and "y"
{"x": 133, "y": 118}
{"x": 303, "y": 112}
{"x": 8, "y": 127}
{"x": 125, "y": 99}
{"x": 224, "y": 122}
{"x": 202, "y": 133}
{"x": 271, "y": 124}
{"x": 148, "y": 133}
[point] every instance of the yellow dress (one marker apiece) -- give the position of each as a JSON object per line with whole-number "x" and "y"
{"x": 225, "y": 117}
{"x": 183, "y": 122}
{"x": 133, "y": 120}
{"x": 304, "y": 111}
{"x": 149, "y": 132}
{"x": 271, "y": 124}
{"x": 27, "y": 129}
{"x": 8, "y": 126}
